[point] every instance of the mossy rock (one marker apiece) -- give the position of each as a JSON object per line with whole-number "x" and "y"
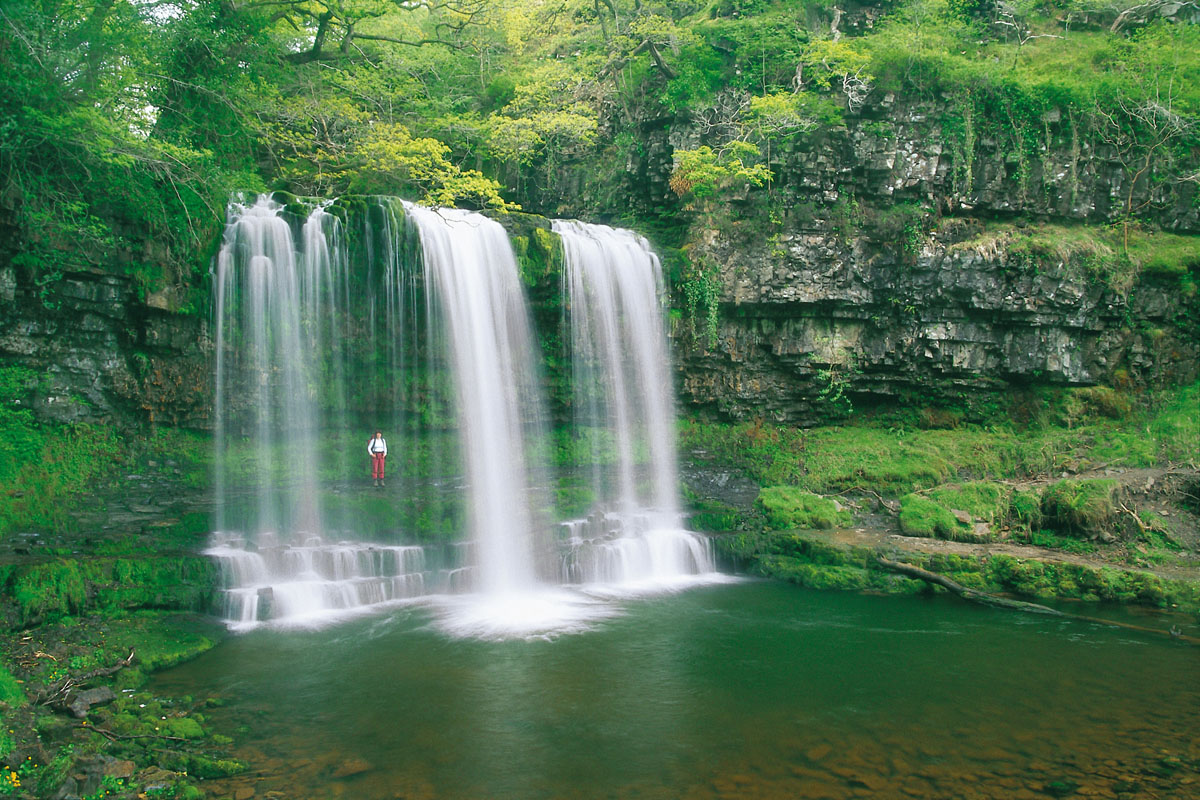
{"x": 1084, "y": 508}
{"x": 209, "y": 768}
{"x": 921, "y": 516}
{"x": 985, "y": 500}
{"x": 40, "y": 593}
{"x": 787, "y": 507}
{"x": 182, "y": 728}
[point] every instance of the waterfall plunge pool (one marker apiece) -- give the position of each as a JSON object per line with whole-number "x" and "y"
{"x": 755, "y": 689}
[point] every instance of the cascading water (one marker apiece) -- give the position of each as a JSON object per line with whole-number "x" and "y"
{"x": 283, "y": 300}
{"x": 622, "y": 386}
{"x": 422, "y": 326}
{"x": 259, "y": 295}
{"x": 471, "y": 278}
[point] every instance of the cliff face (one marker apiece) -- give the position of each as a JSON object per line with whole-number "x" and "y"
{"x": 905, "y": 259}
{"x": 102, "y": 353}
{"x": 805, "y": 317}
{"x": 910, "y": 255}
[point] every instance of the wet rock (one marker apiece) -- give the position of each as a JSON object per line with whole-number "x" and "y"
{"x": 156, "y": 778}
{"x": 243, "y": 793}
{"x": 875, "y": 783}
{"x": 68, "y": 790}
{"x": 91, "y": 697}
{"x": 818, "y": 753}
{"x": 351, "y": 767}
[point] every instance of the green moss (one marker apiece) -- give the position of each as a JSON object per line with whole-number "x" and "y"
{"x": 811, "y": 561}
{"x": 984, "y": 500}
{"x": 55, "y": 589}
{"x": 182, "y": 727}
{"x": 161, "y": 640}
{"x": 209, "y": 768}
{"x": 788, "y": 507}
{"x": 812, "y": 576}
{"x": 1053, "y": 541}
{"x": 11, "y": 692}
{"x": 921, "y": 516}
{"x": 1084, "y": 582}
{"x": 537, "y": 248}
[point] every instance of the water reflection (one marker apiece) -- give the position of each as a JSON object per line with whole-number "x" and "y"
{"x": 749, "y": 690}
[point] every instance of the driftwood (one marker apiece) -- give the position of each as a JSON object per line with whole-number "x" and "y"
{"x": 962, "y": 591}
{"x": 976, "y": 596}
{"x": 57, "y": 693}
{"x": 116, "y": 737}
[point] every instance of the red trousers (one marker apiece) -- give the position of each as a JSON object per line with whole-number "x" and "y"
{"x": 377, "y": 466}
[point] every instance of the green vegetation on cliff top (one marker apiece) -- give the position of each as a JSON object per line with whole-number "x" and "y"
{"x": 124, "y": 128}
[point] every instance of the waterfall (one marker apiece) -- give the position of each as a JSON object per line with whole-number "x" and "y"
{"x": 259, "y": 293}
{"x": 614, "y": 289}
{"x": 416, "y": 321}
{"x": 472, "y": 280}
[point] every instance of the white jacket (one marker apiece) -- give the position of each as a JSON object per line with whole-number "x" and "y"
{"x": 377, "y": 445}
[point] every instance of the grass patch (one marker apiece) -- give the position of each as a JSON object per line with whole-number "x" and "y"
{"x": 1101, "y": 252}
{"x": 921, "y": 516}
{"x": 11, "y": 692}
{"x": 39, "y": 593}
{"x": 1086, "y": 508}
{"x": 787, "y": 507}
{"x": 1053, "y": 541}
{"x": 985, "y": 500}
{"x": 1046, "y": 431}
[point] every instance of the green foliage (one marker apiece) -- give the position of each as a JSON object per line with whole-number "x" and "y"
{"x": 702, "y": 172}
{"x": 699, "y": 284}
{"x": 1026, "y": 510}
{"x": 787, "y": 507}
{"x": 54, "y": 589}
{"x": 42, "y": 468}
{"x": 1081, "y": 507}
{"x": 886, "y": 457}
{"x": 903, "y": 226}
{"x": 389, "y": 160}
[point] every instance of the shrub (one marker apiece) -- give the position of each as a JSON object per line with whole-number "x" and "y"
{"x": 1084, "y": 508}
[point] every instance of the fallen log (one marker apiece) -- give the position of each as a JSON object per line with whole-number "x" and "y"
{"x": 973, "y": 595}
{"x": 976, "y": 596}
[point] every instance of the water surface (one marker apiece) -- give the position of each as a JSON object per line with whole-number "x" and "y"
{"x": 755, "y": 689}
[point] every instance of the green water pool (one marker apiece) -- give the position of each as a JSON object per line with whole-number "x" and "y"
{"x": 746, "y": 690}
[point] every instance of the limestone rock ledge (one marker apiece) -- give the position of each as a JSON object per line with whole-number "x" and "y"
{"x": 805, "y": 316}
{"x": 100, "y": 352}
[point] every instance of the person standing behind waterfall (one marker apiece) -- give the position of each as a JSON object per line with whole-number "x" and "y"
{"x": 377, "y": 449}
